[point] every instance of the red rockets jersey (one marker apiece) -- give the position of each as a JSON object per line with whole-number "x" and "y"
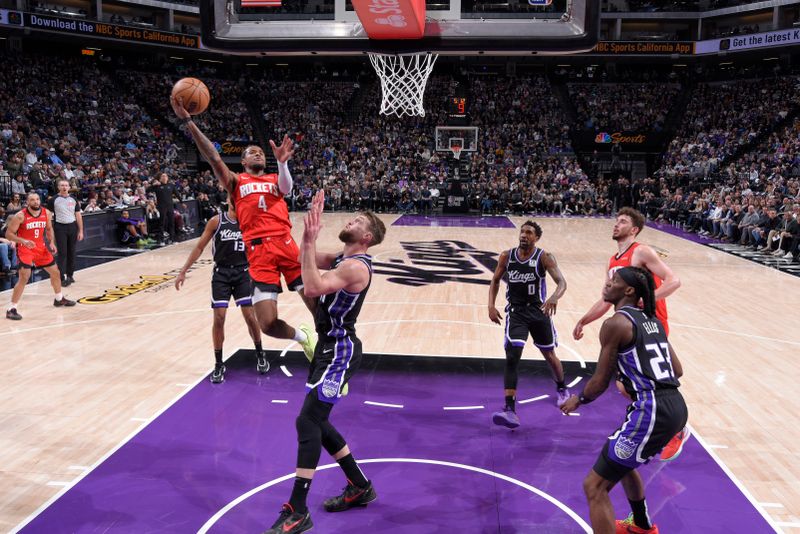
{"x": 618, "y": 262}
{"x": 260, "y": 207}
{"x": 33, "y": 228}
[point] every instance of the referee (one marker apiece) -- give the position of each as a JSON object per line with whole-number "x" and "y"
{"x": 68, "y": 226}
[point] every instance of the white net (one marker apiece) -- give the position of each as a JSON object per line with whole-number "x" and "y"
{"x": 403, "y": 81}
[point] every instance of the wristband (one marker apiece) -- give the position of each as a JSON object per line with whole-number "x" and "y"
{"x": 185, "y": 120}
{"x": 583, "y": 399}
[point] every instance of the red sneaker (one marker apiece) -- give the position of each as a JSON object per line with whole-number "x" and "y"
{"x": 675, "y": 445}
{"x": 627, "y": 526}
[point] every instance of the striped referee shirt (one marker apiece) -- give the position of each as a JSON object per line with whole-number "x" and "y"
{"x": 63, "y": 208}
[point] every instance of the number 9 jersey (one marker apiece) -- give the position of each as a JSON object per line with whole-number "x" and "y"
{"x": 260, "y": 207}
{"x": 33, "y": 229}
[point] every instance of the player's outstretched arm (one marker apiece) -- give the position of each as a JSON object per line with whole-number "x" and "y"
{"x": 283, "y": 153}
{"x": 198, "y": 249}
{"x": 647, "y": 258}
{"x": 597, "y": 310}
{"x": 614, "y": 332}
{"x": 549, "y": 307}
{"x": 494, "y": 287}
{"x": 206, "y": 147}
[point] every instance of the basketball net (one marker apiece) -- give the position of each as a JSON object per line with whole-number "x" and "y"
{"x": 456, "y": 150}
{"x": 403, "y": 81}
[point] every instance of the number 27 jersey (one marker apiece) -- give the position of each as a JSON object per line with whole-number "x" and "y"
{"x": 260, "y": 207}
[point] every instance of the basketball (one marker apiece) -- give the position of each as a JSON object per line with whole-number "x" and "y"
{"x": 194, "y": 93}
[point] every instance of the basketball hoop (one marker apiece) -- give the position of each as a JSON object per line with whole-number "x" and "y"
{"x": 403, "y": 81}
{"x": 456, "y": 150}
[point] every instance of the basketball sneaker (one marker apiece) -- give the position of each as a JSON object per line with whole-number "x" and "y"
{"x": 310, "y": 343}
{"x": 218, "y": 375}
{"x": 63, "y": 302}
{"x": 352, "y": 496}
{"x": 563, "y": 396}
{"x": 507, "y": 418}
{"x": 13, "y": 315}
{"x": 675, "y": 445}
{"x": 291, "y": 522}
{"x": 262, "y": 365}
{"x": 627, "y": 526}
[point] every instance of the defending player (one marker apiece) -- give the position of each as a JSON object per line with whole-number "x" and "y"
{"x": 528, "y": 310}
{"x": 230, "y": 279}
{"x": 628, "y": 226}
{"x": 266, "y": 228}
{"x": 27, "y": 228}
{"x": 634, "y": 342}
{"x": 337, "y": 358}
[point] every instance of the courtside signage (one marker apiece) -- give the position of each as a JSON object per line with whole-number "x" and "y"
{"x": 10, "y": 18}
{"x": 110, "y": 31}
{"x": 749, "y": 42}
{"x": 146, "y": 281}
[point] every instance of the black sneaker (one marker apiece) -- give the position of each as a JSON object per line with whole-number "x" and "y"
{"x": 218, "y": 375}
{"x": 63, "y": 302}
{"x": 13, "y": 315}
{"x": 262, "y": 365}
{"x": 350, "y": 497}
{"x": 291, "y": 522}
{"x": 65, "y": 282}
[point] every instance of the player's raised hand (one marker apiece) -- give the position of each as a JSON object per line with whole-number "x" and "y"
{"x": 177, "y": 107}
{"x": 495, "y": 316}
{"x": 313, "y": 219}
{"x": 285, "y": 151}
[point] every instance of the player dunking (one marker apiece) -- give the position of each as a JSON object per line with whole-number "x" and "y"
{"x": 266, "y": 229}
{"x": 337, "y": 357}
{"x": 230, "y": 279}
{"x": 628, "y": 226}
{"x": 634, "y": 341}
{"x": 528, "y": 310}
{"x": 28, "y": 228}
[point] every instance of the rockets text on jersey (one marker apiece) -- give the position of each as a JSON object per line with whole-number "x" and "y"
{"x": 260, "y": 207}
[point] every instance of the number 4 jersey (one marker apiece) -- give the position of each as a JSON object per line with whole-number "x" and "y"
{"x": 646, "y": 364}
{"x": 260, "y": 207}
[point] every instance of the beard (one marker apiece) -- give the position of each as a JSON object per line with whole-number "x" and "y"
{"x": 347, "y": 237}
{"x": 256, "y": 168}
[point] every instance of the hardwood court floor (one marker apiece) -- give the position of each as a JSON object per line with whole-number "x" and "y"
{"x": 80, "y": 381}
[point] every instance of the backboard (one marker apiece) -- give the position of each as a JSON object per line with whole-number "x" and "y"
{"x": 451, "y": 27}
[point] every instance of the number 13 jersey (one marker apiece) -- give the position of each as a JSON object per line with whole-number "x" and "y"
{"x": 260, "y": 207}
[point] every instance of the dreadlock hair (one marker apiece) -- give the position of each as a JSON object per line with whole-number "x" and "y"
{"x": 641, "y": 280}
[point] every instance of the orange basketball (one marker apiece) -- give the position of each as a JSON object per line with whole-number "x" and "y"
{"x": 194, "y": 93}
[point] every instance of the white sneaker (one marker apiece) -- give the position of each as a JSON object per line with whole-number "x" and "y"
{"x": 778, "y": 252}
{"x": 788, "y": 256}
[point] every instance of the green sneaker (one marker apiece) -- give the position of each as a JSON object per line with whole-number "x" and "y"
{"x": 310, "y": 343}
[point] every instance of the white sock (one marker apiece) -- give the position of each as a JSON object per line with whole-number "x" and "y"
{"x": 13, "y": 306}
{"x": 59, "y": 295}
{"x": 299, "y": 335}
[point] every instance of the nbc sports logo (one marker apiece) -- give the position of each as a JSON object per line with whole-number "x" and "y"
{"x": 602, "y": 137}
{"x": 540, "y": 2}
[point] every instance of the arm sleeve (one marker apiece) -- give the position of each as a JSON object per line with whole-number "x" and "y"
{"x": 284, "y": 178}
